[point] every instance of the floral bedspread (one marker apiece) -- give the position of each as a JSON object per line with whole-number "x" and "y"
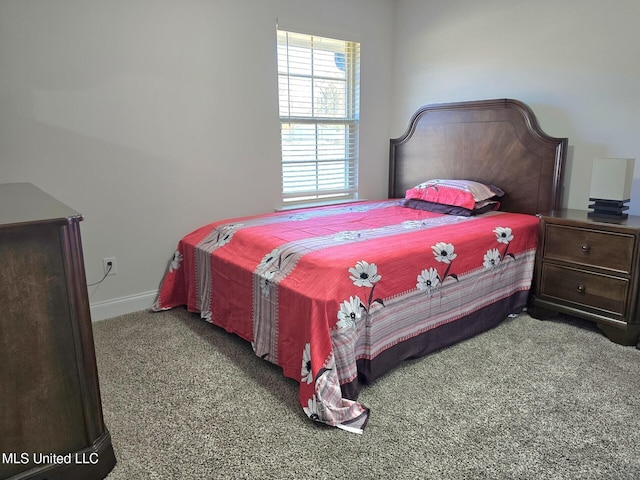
{"x": 314, "y": 290}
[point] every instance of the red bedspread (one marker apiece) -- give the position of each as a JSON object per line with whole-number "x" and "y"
{"x": 315, "y": 290}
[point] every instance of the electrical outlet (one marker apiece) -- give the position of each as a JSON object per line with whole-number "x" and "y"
{"x": 109, "y": 265}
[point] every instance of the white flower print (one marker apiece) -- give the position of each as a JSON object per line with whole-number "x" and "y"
{"x": 348, "y": 235}
{"x": 222, "y": 234}
{"x": 312, "y": 409}
{"x": 428, "y": 280}
{"x": 227, "y": 233}
{"x": 410, "y": 224}
{"x": 364, "y": 274}
{"x": 265, "y": 283}
{"x": 444, "y": 252}
{"x": 503, "y": 234}
{"x": 350, "y": 312}
{"x": 269, "y": 258}
{"x": 305, "y": 371}
{"x": 175, "y": 263}
{"x": 491, "y": 258}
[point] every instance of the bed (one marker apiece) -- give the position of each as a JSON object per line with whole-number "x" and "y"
{"x": 339, "y": 295}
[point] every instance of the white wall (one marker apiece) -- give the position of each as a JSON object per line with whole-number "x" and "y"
{"x": 153, "y": 117}
{"x": 576, "y": 63}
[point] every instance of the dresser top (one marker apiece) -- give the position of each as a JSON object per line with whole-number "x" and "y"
{"x": 22, "y": 203}
{"x": 632, "y": 221}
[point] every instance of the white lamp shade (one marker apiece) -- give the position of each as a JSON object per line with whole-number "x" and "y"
{"x": 611, "y": 178}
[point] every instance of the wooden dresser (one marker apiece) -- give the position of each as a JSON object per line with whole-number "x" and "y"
{"x": 51, "y": 424}
{"x": 590, "y": 269}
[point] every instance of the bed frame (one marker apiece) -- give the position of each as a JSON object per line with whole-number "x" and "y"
{"x": 490, "y": 141}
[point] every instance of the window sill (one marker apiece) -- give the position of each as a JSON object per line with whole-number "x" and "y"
{"x": 319, "y": 204}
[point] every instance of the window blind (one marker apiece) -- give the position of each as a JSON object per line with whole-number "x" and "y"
{"x": 319, "y": 97}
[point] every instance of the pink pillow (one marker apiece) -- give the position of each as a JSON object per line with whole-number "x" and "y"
{"x": 461, "y": 193}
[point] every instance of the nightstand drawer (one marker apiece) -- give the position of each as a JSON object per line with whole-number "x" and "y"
{"x": 608, "y": 250}
{"x": 584, "y": 288}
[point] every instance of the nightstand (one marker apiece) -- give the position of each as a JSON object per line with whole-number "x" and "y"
{"x": 589, "y": 268}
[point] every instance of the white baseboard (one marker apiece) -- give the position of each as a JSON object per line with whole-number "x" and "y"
{"x": 122, "y": 305}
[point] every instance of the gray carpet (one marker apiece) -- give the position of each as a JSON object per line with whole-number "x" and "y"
{"x": 526, "y": 400}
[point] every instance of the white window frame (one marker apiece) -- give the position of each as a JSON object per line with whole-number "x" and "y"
{"x": 317, "y": 168}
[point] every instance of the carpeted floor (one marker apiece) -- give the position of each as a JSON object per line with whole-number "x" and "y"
{"x": 526, "y": 400}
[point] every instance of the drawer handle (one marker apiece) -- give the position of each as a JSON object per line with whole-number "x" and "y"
{"x": 581, "y": 288}
{"x": 585, "y": 247}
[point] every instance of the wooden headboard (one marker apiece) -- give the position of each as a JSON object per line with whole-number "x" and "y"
{"x": 496, "y": 142}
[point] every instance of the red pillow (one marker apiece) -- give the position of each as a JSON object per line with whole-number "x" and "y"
{"x": 460, "y": 193}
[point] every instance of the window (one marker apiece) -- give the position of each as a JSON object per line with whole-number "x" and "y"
{"x": 319, "y": 102}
